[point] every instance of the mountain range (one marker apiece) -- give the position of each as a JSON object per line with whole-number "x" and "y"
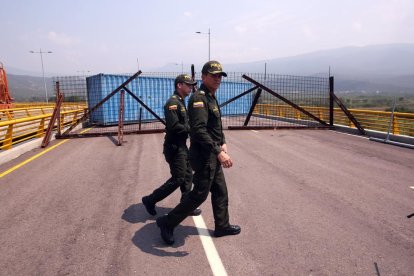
{"x": 383, "y": 68}
{"x": 387, "y": 68}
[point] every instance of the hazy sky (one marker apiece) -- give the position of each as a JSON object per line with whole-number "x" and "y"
{"x": 117, "y": 36}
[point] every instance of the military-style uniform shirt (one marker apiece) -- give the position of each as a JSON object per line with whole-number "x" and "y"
{"x": 205, "y": 121}
{"x": 177, "y": 127}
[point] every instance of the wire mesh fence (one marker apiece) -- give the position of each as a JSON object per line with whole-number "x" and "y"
{"x": 292, "y": 98}
{"x": 73, "y": 88}
{"x": 247, "y": 100}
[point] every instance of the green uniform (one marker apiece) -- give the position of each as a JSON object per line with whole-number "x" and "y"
{"x": 206, "y": 139}
{"x": 175, "y": 150}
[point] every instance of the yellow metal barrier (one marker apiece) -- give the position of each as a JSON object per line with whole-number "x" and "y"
{"x": 402, "y": 124}
{"x": 24, "y": 112}
{"x": 21, "y": 124}
{"x": 43, "y": 104}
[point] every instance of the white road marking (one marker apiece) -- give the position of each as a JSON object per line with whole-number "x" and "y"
{"x": 254, "y": 130}
{"x": 412, "y": 187}
{"x": 211, "y": 252}
{"x": 350, "y": 134}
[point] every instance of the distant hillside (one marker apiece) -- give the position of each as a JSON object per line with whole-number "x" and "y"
{"x": 370, "y": 68}
{"x": 389, "y": 59}
{"x": 17, "y": 71}
{"x": 376, "y": 68}
{"x": 25, "y": 88}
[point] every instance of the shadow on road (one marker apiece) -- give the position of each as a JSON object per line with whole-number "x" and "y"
{"x": 148, "y": 238}
{"x": 136, "y": 213}
{"x": 115, "y": 140}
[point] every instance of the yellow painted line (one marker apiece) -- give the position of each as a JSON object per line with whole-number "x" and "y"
{"x": 30, "y": 159}
{"x": 34, "y": 157}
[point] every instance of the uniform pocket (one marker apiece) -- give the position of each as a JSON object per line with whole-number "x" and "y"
{"x": 214, "y": 110}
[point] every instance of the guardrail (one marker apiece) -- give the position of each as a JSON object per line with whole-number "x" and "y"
{"x": 30, "y": 111}
{"x": 21, "y": 124}
{"x": 402, "y": 123}
{"x": 43, "y": 104}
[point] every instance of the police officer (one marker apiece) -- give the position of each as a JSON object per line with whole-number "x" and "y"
{"x": 175, "y": 147}
{"x": 208, "y": 154}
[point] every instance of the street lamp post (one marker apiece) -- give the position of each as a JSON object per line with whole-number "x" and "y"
{"x": 43, "y": 70}
{"x": 208, "y": 41}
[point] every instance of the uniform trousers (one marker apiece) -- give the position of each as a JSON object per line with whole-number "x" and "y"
{"x": 181, "y": 173}
{"x": 208, "y": 177}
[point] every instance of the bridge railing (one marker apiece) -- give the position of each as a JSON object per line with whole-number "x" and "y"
{"x": 20, "y": 124}
{"x": 402, "y": 123}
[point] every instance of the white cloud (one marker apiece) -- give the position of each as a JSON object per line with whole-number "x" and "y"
{"x": 240, "y": 29}
{"x": 188, "y": 14}
{"x": 103, "y": 48}
{"x": 62, "y": 39}
{"x": 309, "y": 33}
{"x": 357, "y": 26}
{"x": 24, "y": 37}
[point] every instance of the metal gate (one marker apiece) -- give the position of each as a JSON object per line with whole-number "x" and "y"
{"x": 127, "y": 104}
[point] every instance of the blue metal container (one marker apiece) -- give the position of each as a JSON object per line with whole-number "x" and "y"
{"x": 154, "y": 92}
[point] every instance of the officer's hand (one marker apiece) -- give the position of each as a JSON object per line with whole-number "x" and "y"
{"x": 224, "y": 148}
{"x": 225, "y": 159}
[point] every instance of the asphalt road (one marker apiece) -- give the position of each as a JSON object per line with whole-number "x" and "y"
{"x": 310, "y": 202}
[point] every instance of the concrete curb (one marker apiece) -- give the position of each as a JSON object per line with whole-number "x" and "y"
{"x": 377, "y": 134}
{"x": 16, "y": 151}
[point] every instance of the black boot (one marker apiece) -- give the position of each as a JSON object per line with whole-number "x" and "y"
{"x": 230, "y": 230}
{"x": 149, "y": 205}
{"x": 167, "y": 232}
{"x": 196, "y": 212}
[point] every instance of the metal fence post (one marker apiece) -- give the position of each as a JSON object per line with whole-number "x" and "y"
{"x": 331, "y": 101}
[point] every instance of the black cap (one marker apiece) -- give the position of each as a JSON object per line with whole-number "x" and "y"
{"x": 213, "y": 67}
{"x": 184, "y": 78}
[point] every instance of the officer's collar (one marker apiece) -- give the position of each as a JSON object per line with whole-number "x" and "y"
{"x": 205, "y": 89}
{"x": 178, "y": 95}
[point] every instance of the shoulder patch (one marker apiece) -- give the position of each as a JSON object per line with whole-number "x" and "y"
{"x": 202, "y": 93}
{"x": 198, "y": 104}
{"x": 174, "y": 96}
{"x": 172, "y": 107}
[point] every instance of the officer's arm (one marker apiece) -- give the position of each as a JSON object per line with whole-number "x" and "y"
{"x": 198, "y": 113}
{"x": 171, "y": 110}
{"x": 223, "y": 141}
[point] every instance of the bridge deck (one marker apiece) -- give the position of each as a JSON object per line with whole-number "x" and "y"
{"x": 308, "y": 201}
